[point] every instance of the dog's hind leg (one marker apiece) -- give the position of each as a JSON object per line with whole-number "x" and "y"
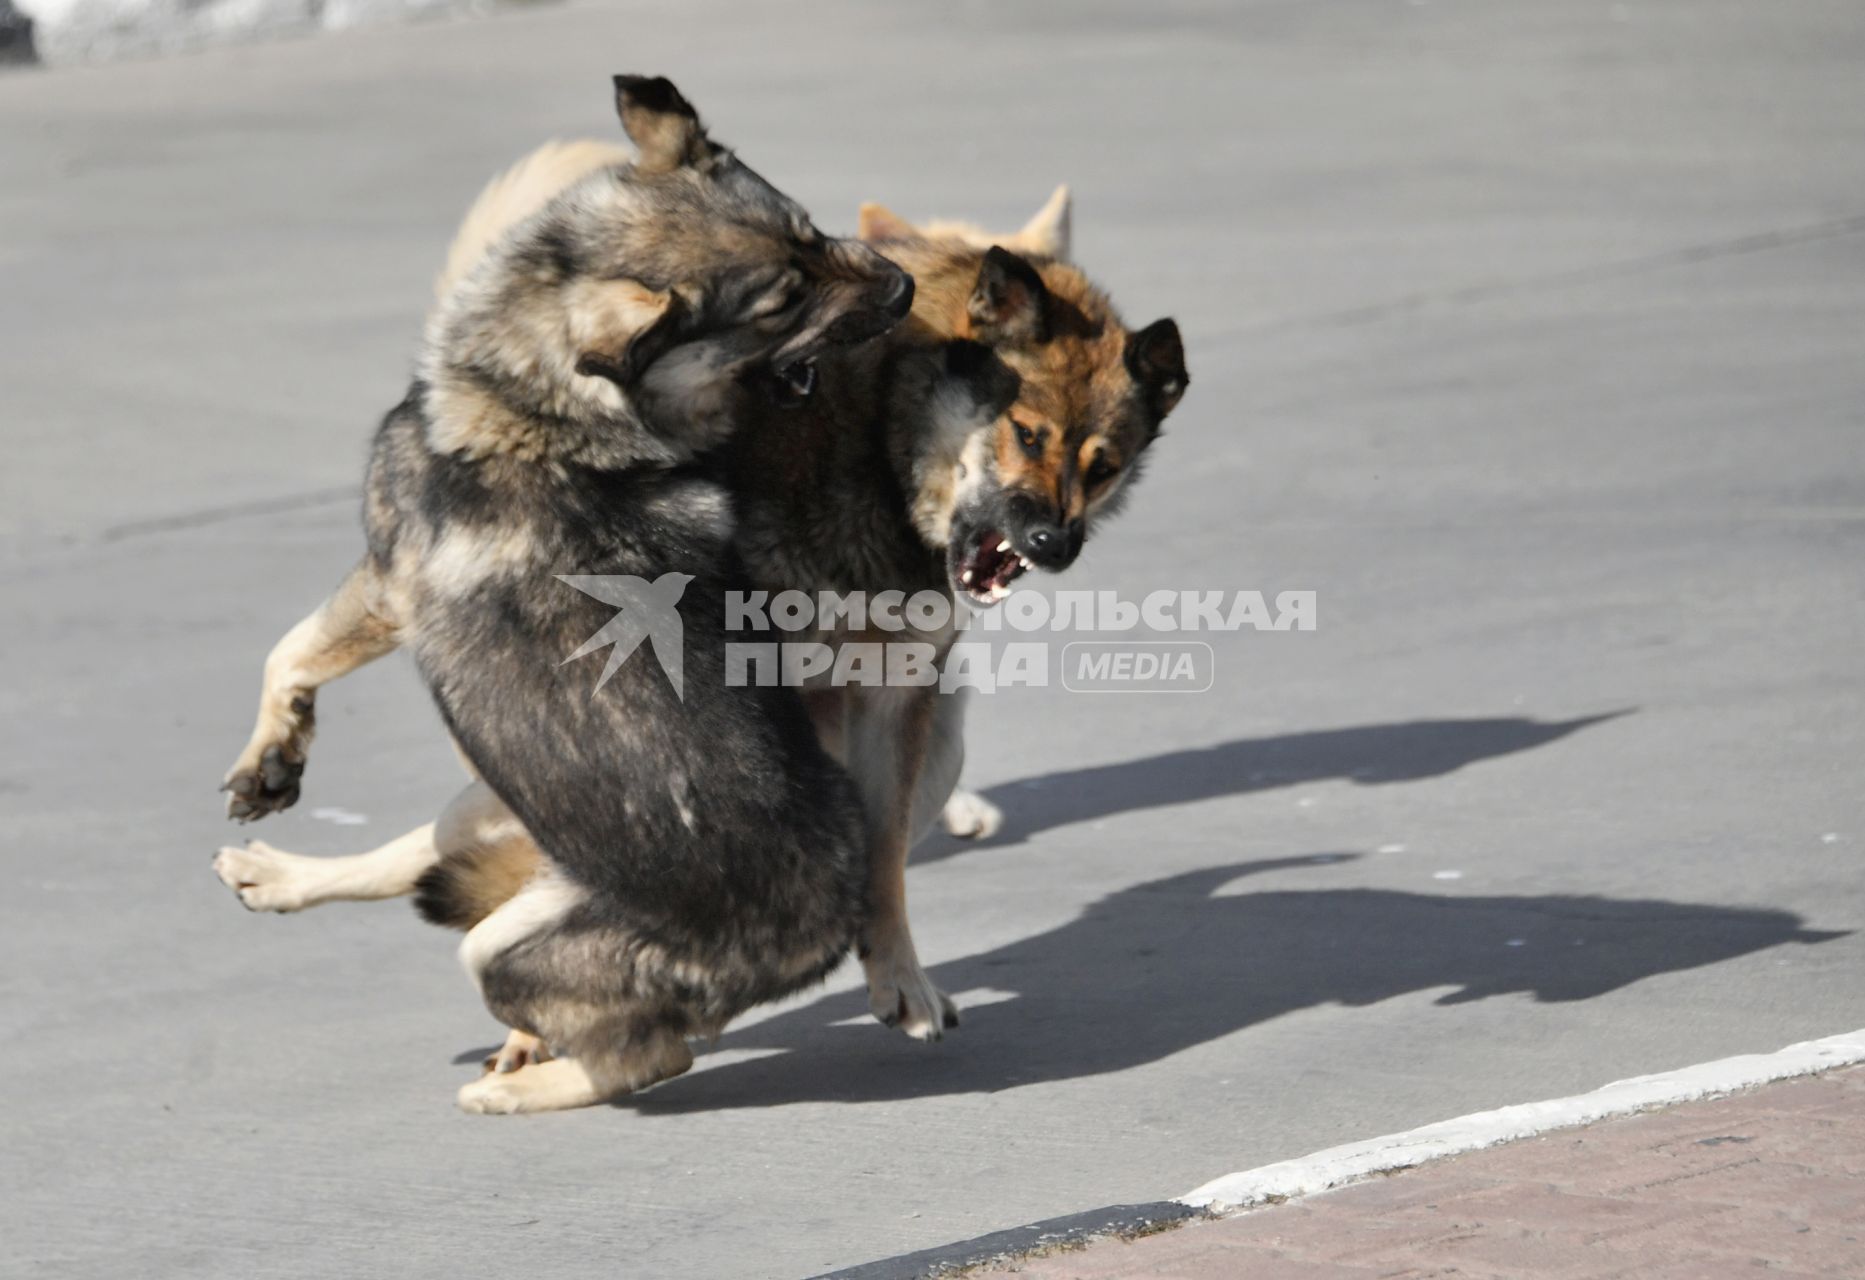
{"x": 268, "y": 879}
{"x": 568, "y": 989}
{"x": 521, "y": 1049}
{"x": 346, "y": 631}
{"x": 634, "y": 1059}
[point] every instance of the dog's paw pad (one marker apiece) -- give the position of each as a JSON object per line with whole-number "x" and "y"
{"x": 266, "y": 785}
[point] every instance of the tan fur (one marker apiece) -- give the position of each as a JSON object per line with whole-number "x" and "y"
{"x": 529, "y": 339}
{"x": 521, "y": 1049}
{"x": 890, "y": 731}
{"x": 1047, "y": 234}
{"x": 268, "y": 879}
{"x": 560, "y": 1084}
{"x": 1070, "y": 384}
{"x": 354, "y": 626}
{"x": 518, "y": 193}
{"x": 488, "y": 875}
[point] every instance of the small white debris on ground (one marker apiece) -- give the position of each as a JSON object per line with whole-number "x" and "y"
{"x": 342, "y": 817}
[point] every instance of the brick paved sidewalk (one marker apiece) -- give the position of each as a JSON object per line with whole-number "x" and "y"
{"x": 1771, "y": 1181}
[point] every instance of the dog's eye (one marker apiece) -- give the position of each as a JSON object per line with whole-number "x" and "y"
{"x": 1100, "y": 471}
{"x": 1030, "y": 438}
{"x": 780, "y": 300}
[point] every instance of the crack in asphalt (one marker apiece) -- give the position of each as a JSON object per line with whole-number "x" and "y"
{"x": 233, "y": 511}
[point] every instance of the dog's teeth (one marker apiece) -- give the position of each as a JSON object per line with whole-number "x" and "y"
{"x": 965, "y": 577}
{"x": 1004, "y": 545}
{"x": 1025, "y": 563}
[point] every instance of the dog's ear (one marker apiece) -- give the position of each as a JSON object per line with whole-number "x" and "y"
{"x": 661, "y": 123}
{"x": 878, "y": 222}
{"x": 1009, "y": 303}
{"x": 1156, "y": 360}
{"x": 621, "y": 328}
{"x": 1047, "y": 233}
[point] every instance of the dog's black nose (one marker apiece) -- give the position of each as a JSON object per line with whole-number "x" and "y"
{"x": 1050, "y": 546}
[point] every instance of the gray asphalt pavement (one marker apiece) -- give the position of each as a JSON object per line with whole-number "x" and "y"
{"x": 1531, "y": 337}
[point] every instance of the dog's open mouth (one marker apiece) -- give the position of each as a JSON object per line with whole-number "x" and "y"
{"x": 988, "y": 569}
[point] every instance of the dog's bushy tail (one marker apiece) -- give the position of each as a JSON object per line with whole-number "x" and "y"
{"x": 518, "y": 193}
{"x": 468, "y": 885}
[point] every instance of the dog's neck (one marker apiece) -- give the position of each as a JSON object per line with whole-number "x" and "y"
{"x": 502, "y": 381}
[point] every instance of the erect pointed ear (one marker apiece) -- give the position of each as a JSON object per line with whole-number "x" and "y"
{"x": 663, "y": 125}
{"x": 1156, "y": 359}
{"x": 1010, "y": 302}
{"x": 878, "y": 222}
{"x": 1048, "y": 232}
{"x": 622, "y": 328}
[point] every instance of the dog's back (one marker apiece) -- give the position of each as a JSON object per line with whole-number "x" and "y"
{"x": 702, "y": 817}
{"x": 516, "y": 195}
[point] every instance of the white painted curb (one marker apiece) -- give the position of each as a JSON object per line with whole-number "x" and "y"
{"x": 1339, "y": 1165}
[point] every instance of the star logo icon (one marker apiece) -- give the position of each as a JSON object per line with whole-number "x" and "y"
{"x": 647, "y": 612}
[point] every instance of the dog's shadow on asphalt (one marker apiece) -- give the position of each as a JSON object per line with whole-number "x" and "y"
{"x": 1367, "y": 754}
{"x": 1177, "y": 962}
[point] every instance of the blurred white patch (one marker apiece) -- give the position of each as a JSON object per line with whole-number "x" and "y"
{"x": 1831, "y": 837}
{"x": 1447, "y": 875}
{"x": 94, "y": 30}
{"x": 1516, "y": 942}
{"x": 342, "y": 817}
{"x": 1390, "y": 848}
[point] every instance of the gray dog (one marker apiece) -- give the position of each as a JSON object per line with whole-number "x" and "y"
{"x": 702, "y": 853}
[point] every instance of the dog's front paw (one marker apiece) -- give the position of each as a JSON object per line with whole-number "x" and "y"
{"x": 969, "y": 816}
{"x": 556, "y": 1085}
{"x": 266, "y": 777}
{"x": 901, "y": 995}
{"x": 265, "y": 878}
{"x": 491, "y": 1095}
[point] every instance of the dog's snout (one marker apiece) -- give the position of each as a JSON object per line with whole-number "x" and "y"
{"x": 899, "y": 298}
{"x": 1054, "y": 546}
